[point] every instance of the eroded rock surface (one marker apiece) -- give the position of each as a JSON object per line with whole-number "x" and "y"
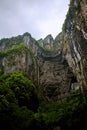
{"x": 54, "y": 76}
{"x": 48, "y": 69}
{"x": 56, "y": 66}
{"x": 75, "y": 39}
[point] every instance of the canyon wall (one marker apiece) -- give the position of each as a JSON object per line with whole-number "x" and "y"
{"x": 46, "y": 67}
{"x": 75, "y": 39}
{"x": 57, "y": 66}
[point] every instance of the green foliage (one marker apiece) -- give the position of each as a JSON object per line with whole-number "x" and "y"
{"x": 21, "y": 89}
{"x": 9, "y": 42}
{"x": 18, "y": 101}
{"x": 66, "y": 113}
{"x": 13, "y": 50}
{"x": 22, "y": 107}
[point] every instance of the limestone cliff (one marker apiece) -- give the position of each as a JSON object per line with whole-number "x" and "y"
{"x": 55, "y": 76}
{"x": 18, "y": 54}
{"x": 47, "y": 68}
{"x": 47, "y": 42}
{"x": 75, "y": 39}
{"x": 56, "y": 66}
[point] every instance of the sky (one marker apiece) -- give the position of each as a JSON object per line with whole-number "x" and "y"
{"x": 38, "y": 17}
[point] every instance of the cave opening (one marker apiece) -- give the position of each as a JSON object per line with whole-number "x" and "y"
{"x": 74, "y": 85}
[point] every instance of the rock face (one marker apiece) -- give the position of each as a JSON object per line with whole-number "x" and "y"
{"x": 54, "y": 76}
{"x": 57, "y": 66}
{"x": 47, "y": 42}
{"x": 75, "y": 39}
{"x": 48, "y": 69}
{"x": 58, "y": 42}
{"x": 18, "y": 54}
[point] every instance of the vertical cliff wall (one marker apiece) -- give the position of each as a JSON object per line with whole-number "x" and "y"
{"x": 19, "y": 54}
{"x": 75, "y": 39}
{"x": 55, "y": 76}
{"x": 48, "y": 69}
{"x": 56, "y": 65}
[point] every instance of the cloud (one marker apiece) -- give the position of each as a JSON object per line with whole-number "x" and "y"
{"x": 38, "y": 17}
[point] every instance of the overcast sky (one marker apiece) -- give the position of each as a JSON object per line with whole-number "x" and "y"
{"x": 38, "y": 17}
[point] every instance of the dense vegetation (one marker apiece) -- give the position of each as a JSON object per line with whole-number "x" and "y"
{"x": 14, "y": 49}
{"x": 19, "y": 101}
{"x": 22, "y": 107}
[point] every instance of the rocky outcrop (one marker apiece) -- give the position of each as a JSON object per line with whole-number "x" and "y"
{"x": 19, "y": 54}
{"x": 58, "y": 42}
{"x": 54, "y": 76}
{"x": 48, "y": 69}
{"x": 47, "y": 42}
{"x": 75, "y": 39}
{"x": 57, "y": 66}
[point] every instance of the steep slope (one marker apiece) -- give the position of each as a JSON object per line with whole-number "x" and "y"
{"x": 46, "y": 68}
{"x": 47, "y": 42}
{"x": 54, "y": 75}
{"x": 56, "y": 66}
{"x": 18, "y": 54}
{"x": 75, "y": 39}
